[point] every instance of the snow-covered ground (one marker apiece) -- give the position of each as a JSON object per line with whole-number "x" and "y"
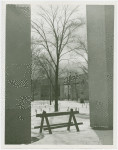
{"x": 60, "y": 136}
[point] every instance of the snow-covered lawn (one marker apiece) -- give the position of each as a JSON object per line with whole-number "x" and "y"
{"x": 60, "y": 136}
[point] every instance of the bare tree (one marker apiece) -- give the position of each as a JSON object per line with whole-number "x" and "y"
{"x": 80, "y": 55}
{"x": 82, "y": 51}
{"x": 41, "y": 69}
{"x": 54, "y": 32}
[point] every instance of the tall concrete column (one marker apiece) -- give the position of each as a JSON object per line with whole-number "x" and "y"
{"x": 18, "y": 93}
{"x": 100, "y": 39}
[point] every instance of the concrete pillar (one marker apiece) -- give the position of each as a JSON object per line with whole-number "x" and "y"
{"x": 18, "y": 75}
{"x": 100, "y": 34}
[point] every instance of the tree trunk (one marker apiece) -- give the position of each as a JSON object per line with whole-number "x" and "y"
{"x": 68, "y": 92}
{"x": 56, "y": 86}
{"x": 32, "y": 88}
{"x": 76, "y": 91}
{"x": 50, "y": 93}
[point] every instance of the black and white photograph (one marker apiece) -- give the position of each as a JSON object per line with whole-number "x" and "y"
{"x": 58, "y": 74}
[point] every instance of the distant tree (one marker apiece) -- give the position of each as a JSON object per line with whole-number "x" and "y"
{"x": 80, "y": 55}
{"x": 41, "y": 69}
{"x": 82, "y": 51}
{"x": 79, "y": 58}
{"x": 54, "y": 31}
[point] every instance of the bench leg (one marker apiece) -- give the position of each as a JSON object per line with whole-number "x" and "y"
{"x": 42, "y": 120}
{"x": 68, "y": 128}
{"x": 47, "y": 121}
{"x": 75, "y": 122}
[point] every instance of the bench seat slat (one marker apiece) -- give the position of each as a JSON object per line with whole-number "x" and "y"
{"x": 57, "y": 114}
{"x": 53, "y": 125}
{"x": 61, "y": 126}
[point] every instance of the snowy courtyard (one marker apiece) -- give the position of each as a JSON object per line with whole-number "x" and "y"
{"x": 61, "y": 136}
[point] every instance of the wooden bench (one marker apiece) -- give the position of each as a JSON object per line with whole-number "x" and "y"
{"x": 54, "y": 126}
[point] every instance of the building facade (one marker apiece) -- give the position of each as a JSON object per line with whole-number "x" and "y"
{"x": 71, "y": 90}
